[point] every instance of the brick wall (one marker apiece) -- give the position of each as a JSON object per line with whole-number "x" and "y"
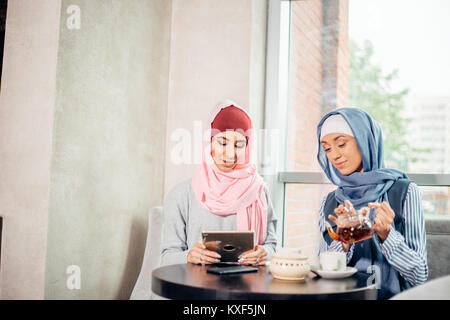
{"x": 335, "y": 45}
{"x": 319, "y": 63}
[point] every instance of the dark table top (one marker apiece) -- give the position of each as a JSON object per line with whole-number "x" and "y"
{"x": 189, "y": 281}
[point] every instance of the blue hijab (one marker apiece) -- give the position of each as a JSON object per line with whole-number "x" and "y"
{"x": 372, "y": 184}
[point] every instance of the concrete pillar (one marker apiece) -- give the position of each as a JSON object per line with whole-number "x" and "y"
{"x": 108, "y": 144}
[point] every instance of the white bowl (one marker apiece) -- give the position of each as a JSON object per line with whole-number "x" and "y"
{"x": 289, "y": 266}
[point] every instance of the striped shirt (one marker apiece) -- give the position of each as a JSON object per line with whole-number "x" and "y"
{"x": 406, "y": 253}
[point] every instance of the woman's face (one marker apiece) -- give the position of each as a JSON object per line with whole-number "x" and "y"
{"x": 228, "y": 149}
{"x": 343, "y": 152}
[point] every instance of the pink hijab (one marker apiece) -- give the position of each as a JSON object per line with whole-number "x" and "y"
{"x": 240, "y": 191}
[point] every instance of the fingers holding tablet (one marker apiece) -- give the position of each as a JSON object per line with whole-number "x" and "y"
{"x": 256, "y": 257}
{"x": 200, "y": 255}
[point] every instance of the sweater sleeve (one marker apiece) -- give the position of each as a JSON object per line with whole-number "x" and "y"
{"x": 173, "y": 238}
{"x": 270, "y": 243}
{"x": 408, "y": 253}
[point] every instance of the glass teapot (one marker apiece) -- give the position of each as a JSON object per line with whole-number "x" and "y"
{"x": 352, "y": 226}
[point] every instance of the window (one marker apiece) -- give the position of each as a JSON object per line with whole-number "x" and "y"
{"x": 364, "y": 53}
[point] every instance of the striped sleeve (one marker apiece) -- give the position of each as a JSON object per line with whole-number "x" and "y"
{"x": 334, "y": 245}
{"x": 408, "y": 253}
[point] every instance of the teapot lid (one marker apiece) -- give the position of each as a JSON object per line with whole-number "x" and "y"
{"x": 289, "y": 256}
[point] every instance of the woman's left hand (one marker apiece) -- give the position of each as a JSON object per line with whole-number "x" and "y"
{"x": 383, "y": 219}
{"x": 255, "y": 257}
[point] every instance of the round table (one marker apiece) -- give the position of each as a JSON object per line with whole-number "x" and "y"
{"x": 190, "y": 281}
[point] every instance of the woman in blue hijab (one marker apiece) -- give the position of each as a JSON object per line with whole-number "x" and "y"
{"x": 351, "y": 155}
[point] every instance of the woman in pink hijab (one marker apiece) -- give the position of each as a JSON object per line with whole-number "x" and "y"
{"x": 225, "y": 193}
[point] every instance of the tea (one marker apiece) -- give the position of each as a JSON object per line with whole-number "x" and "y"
{"x": 352, "y": 234}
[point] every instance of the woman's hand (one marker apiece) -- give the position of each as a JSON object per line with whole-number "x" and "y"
{"x": 341, "y": 210}
{"x": 338, "y": 211}
{"x": 200, "y": 255}
{"x": 383, "y": 219}
{"x": 255, "y": 257}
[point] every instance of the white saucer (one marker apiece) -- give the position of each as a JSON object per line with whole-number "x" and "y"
{"x": 334, "y": 274}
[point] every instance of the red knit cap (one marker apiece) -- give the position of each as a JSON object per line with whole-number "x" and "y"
{"x": 231, "y": 118}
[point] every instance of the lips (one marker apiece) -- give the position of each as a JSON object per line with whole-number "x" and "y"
{"x": 340, "y": 164}
{"x": 228, "y": 164}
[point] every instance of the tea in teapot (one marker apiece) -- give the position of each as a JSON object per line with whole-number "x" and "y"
{"x": 353, "y": 226}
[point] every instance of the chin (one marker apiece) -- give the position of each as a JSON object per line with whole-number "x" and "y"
{"x": 346, "y": 172}
{"x": 226, "y": 169}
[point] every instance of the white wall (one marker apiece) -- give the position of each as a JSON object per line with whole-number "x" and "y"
{"x": 217, "y": 52}
{"x": 26, "y": 120}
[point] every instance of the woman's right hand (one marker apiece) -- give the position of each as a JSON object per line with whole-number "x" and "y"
{"x": 200, "y": 255}
{"x": 338, "y": 211}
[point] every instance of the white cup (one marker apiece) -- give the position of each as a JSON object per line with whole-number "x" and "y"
{"x": 333, "y": 261}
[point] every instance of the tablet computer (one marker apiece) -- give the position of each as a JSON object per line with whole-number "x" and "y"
{"x": 229, "y": 244}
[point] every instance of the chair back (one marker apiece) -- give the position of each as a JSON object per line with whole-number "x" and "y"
{"x": 143, "y": 287}
{"x": 436, "y": 289}
{"x": 438, "y": 247}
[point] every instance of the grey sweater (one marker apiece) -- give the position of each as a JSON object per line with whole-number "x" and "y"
{"x": 184, "y": 219}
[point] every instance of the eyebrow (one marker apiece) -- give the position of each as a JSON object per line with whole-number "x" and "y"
{"x": 333, "y": 139}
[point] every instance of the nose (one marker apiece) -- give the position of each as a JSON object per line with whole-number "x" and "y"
{"x": 230, "y": 154}
{"x": 334, "y": 154}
